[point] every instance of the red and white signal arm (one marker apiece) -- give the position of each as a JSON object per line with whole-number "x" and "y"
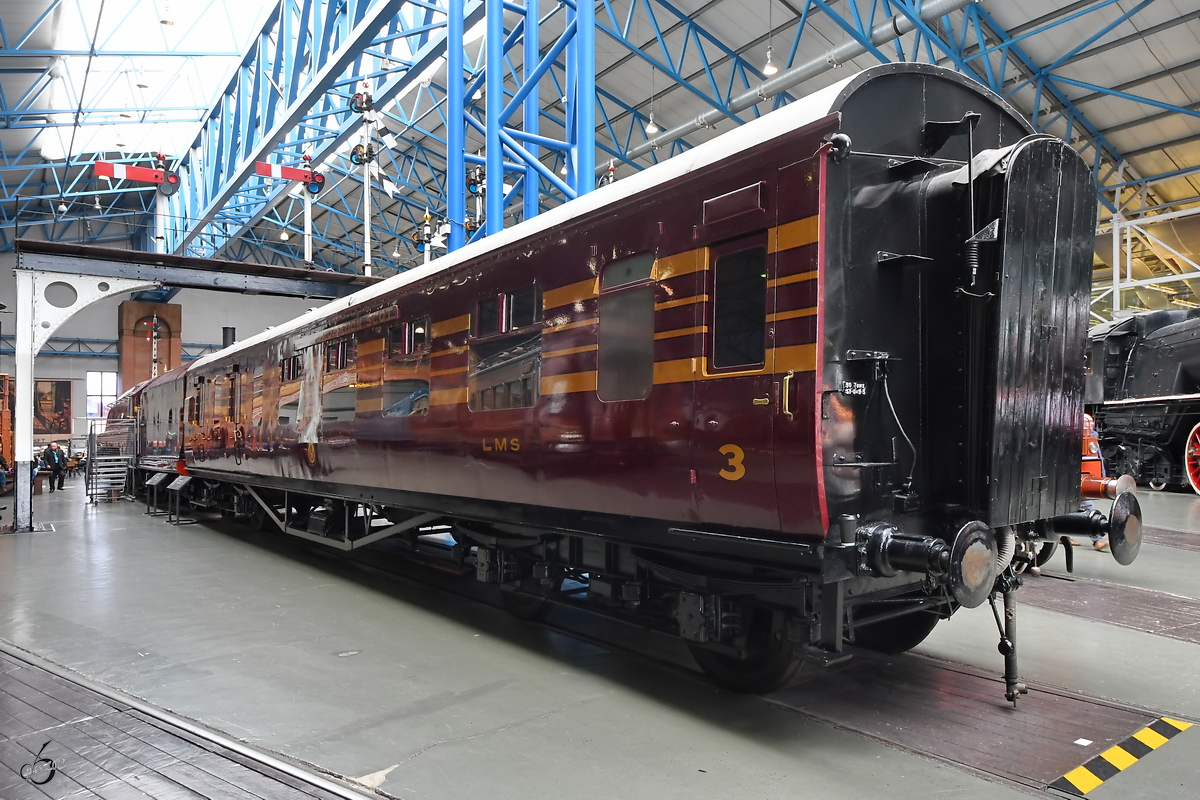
{"x": 168, "y": 182}
{"x": 312, "y": 180}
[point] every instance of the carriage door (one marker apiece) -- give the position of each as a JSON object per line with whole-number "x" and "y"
{"x": 735, "y": 398}
{"x": 795, "y": 329}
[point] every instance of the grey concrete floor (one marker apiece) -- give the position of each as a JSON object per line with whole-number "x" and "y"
{"x": 429, "y": 695}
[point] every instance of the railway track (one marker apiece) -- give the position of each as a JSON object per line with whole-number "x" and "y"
{"x": 940, "y": 710}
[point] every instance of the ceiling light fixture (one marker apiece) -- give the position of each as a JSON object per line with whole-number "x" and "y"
{"x": 283, "y": 236}
{"x": 769, "y": 68}
{"x": 96, "y": 202}
{"x": 62, "y": 206}
{"x": 478, "y": 95}
{"x": 166, "y": 15}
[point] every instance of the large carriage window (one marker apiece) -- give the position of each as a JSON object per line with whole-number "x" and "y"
{"x": 628, "y": 270}
{"x": 740, "y": 309}
{"x": 625, "y": 346}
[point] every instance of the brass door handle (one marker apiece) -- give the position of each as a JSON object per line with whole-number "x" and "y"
{"x": 762, "y": 401}
{"x": 787, "y": 386}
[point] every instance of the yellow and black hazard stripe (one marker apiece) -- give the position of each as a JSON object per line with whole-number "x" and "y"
{"x": 1119, "y": 758}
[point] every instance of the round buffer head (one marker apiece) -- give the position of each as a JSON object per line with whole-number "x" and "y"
{"x": 972, "y": 564}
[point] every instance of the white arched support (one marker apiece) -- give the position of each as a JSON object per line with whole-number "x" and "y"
{"x": 45, "y": 300}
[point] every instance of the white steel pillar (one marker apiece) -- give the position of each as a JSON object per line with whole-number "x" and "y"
{"x": 1116, "y": 242}
{"x": 161, "y": 211}
{"x": 308, "y": 254}
{"x": 45, "y": 300}
{"x": 366, "y": 179}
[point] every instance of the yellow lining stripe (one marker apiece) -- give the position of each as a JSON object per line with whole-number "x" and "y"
{"x": 786, "y": 279}
{"x": 571, "y": 293}
{"x": 449, "y": 326}
{"x": 454, "y": 371}
{"x": 794, "y": 234}
{"x": 566, "y": 326}
{"x": 570, "y": 382}
{"x": 779, "y": 316}
{"x": 570, "y": 351}
{"x": 448, "y": 397}
{"x": 1174, "y": 723}
{"x": 450, "y": 351}
{"x": 682, "y": 264}
{"x": 683, "y": 301}
{"x": 680, "y": 332}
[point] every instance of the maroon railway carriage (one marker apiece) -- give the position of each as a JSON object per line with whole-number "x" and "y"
{"x": 765, "y": 395}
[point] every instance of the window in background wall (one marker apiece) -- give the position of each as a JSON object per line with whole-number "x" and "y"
{"x": 101, "y": 393}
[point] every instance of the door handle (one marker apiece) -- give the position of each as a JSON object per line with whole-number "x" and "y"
{"x": 762, "y": 401}
{"x": 787, "y": 386}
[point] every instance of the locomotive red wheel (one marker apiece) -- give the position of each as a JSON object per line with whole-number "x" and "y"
{"x": 1191, "y": 458}
{"x": 768, "y": 664}
{"x": 892, "y": 636}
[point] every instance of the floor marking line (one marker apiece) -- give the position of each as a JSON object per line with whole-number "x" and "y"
{"x": 1150, "y": 738}
{"x": 1120, "y": 757}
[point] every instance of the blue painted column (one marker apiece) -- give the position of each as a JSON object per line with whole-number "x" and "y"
{"x": 456, "y": 134}
{"x": 569, "y": 98}
{"x": 531, "y": 106}
{"x": 494, "y": 10}
{"x": 585, "y": 98}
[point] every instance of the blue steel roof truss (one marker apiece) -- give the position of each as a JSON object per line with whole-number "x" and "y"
{"x": 291, "y": 96}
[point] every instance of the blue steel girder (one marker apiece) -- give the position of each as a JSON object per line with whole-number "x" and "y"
{"x": 290, "y": 99}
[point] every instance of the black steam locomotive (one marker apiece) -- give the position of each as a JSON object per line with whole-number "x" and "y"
{"x": 1143, "y": 389}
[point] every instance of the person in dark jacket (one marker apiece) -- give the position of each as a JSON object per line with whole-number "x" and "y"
{"x": 3, "y": 475}
{"x": 56, "y": 461}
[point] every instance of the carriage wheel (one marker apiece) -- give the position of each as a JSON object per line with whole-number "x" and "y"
{"x": 1191, "y": 458}
{"x": 898, "y": 635}
{"x": 768, "y": 664}
{"x": 523, "y": 606}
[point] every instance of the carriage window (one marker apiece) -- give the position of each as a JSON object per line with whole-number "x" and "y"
{"x": 397, "y": 344}
{"x": 508, "y": 312}
{"x": 340, "y": 354}
{"x": 487, "y": 316}
{"x": 625, "y": 345}
{"x": 409, "y": 338}
{"x": 524, "y": 308}
{"x": 740, "y": 309}
{"x": 420, "y": 335}
{"x": 290, "y": 368}
{"x": 628, "y": 270}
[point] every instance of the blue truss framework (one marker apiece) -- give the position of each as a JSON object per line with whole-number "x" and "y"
{"x": 539, "y": 145}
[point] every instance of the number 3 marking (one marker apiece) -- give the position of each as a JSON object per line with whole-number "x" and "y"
{"x": 735, "y": 470}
